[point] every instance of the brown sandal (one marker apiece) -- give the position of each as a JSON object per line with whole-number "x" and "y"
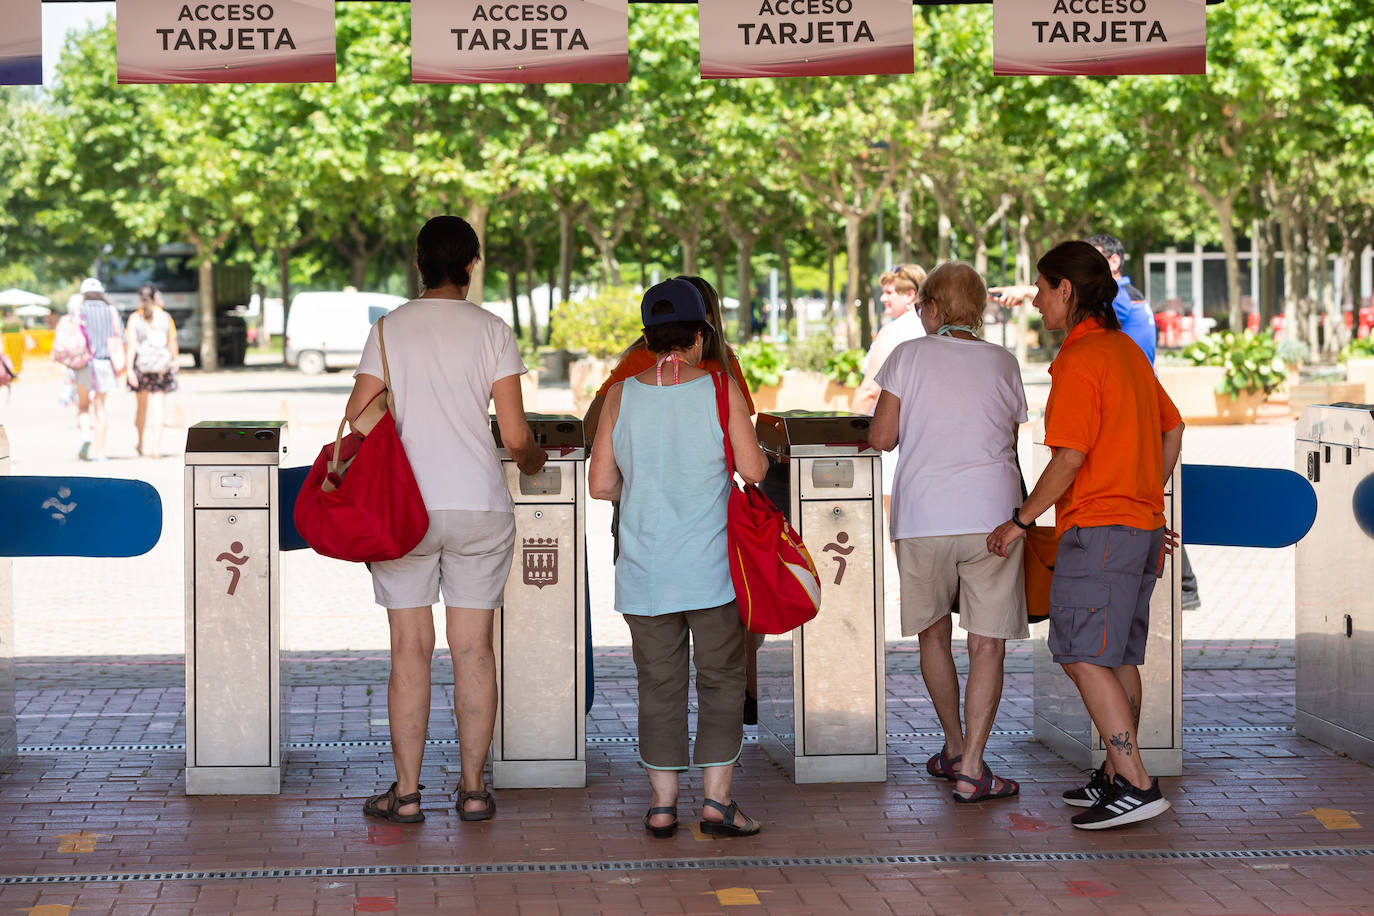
{"x": 481, "y": 814}
{"x": 372, "y": 807}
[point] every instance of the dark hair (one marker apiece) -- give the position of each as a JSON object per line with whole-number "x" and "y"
{"x": 147, "y": 293}
{"x": 672, "y": 335}
{"x": 1109, "y": 245}
{"x": 1089, "y": 275}
{"x": 713, "y": 344}
{"x": 444, "y": 248}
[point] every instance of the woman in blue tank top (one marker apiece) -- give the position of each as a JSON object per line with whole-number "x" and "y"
{"x": 659, "y": 450}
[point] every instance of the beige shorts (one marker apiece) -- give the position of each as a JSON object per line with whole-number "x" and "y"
{"x": 466, "y": 554}
{"x": 991, "y": 589}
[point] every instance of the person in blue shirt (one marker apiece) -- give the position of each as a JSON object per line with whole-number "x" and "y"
{"x": 1137, "y": 319}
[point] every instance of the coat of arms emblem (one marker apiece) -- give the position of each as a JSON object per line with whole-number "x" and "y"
{"x": 540, "y": 561}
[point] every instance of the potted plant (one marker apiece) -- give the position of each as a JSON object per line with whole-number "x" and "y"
{"x": 599, "y": 328}
{"x": 1229, "y": 375}
{"x": 845, "y": 372}
{"x": 763, "y": 364}
{"x": 1358, "y": 357}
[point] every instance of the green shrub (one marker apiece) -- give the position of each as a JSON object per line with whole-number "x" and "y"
{"x": 1360, "y": 348}
{"x": 1291, "y": 351}
{"x": 763, "y": 363}
{"x": 1250, "y": 360}
{"x": 846, "y": 368}
{"x": 812, "y": 352}
{"x": 601, "y": 326}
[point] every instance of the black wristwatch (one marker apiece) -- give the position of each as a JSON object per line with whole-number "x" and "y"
{"x": 1015, "y": 520}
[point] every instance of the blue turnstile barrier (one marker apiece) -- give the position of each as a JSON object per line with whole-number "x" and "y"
{"x": 78, "y": 517}
{"x": 1245, "y": 507}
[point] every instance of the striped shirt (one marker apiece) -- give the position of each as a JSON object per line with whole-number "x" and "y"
{"x": 102, "y": 323}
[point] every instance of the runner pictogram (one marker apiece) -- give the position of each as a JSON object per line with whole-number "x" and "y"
{"x": 234, "y": 572}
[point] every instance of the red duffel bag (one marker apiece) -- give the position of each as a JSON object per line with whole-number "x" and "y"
{"x": 360, "y": 501}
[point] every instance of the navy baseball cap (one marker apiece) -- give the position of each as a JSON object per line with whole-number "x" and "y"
{"x": 681, "y": 294}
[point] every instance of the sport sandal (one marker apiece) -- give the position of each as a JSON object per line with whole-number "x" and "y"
{"x": 665, "y": 831}
{"x": 372, "y": 807}
{"x": 481, "y": 814}
{"x": 983, "y": 787}
{"x": 727, "y": 826}
{"x": 941, "y": 765}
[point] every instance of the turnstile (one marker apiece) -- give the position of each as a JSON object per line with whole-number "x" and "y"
{"x": 1334, "y": 564}
{"x": 822, "y": 709}
{"x": 1062, "y": 722}
{"x": 234, "y": 738}
{"x": 9, "y": 734}
{"x": 540, "y": 633}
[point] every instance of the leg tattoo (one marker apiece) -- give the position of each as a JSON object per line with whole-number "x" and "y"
{"x": 1122, "y": 743}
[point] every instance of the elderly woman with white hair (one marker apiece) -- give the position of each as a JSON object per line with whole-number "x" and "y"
{"x": 955, "y": 402}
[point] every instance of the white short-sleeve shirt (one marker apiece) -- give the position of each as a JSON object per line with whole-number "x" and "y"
{"x": 960, "y": 400}
{"x": 444, "y": 356}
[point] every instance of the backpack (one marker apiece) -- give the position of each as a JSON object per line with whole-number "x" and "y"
{"x": 70, "y": 345}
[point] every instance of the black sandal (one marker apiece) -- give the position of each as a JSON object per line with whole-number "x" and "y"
{"x": 942, "y": 766}
{"x": 481, "y": 814}
{"x": 726, "y": 827}
{"x": 983, "y": 787}
{"x": 667, "y": 830}
{"x": 373, "y": 808}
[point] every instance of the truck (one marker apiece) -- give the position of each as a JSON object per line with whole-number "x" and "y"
{"x": 172, "y": 270}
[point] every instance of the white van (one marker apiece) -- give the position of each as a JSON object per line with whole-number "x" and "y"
{"x": 328, "y": 330}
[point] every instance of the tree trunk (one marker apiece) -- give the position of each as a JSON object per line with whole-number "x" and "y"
{"x": 905, "y": 250}
{"x": 284, "y": 281}
{"x": 865, "y": 305}
{"x": 1266, "y": 294}
{"x": 853, "y": 242}
{"x": 1023, "y": 277}
{"x": 785, "y": 267}
{"x": 530, "y": 253}
{"x": 477, "y": 216}
{"x": 1225, "y": 208}
{"x": 744, "y": 252}
{"x": 942, "y": 244}
{"x": 357, "y": 265}
{"x": 566, "y": 218}
{"x": 830, "y": 254}
{"x": 209, "y": 337}
{"x": 718, "y": 265}
{"x": 1292, "y": 274}
{"x": 513, "y": 290}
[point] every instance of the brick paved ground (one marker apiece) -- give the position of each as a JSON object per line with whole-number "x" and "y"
{"x": 1271, "y": 823}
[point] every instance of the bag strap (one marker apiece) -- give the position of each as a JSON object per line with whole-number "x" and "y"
{"x": 723, "y": 412}
{"x": 386, "y": 370}
{"x": 372, "y": 411}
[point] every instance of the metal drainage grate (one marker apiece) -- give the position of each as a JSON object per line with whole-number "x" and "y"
{"x": 596, "y": 740}
{"x": 528, "y": 868}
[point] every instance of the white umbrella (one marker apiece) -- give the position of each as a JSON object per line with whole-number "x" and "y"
{"x": 14, "y": 296}
{"x": 33, "y": 311}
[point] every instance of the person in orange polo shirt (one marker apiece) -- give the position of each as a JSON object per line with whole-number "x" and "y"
{"x": 1116, "y": 437}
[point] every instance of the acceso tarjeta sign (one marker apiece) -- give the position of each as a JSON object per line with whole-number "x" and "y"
{"x": 1097, "y": 37}
{"x": 756, "y": 38}
{"x": 21, "y": 43}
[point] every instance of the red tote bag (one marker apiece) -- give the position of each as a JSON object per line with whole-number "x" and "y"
{"x": 777, "y": 587}
{"x": 360, "y": 501}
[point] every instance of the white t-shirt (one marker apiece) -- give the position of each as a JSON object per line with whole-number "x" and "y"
{"x": 959, "y": 402}
{"x": 444, "y": 355}
{"x": 906, "y": 326}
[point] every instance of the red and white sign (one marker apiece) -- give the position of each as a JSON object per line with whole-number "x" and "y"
{"x": 1097, "y": 37}
{"x": 209, "y": 41}
{"x": 746, "y": 38}
{"x": 549, "y": 41}
{"x": 21, "y": 43}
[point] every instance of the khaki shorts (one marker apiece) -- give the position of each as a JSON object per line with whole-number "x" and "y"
{"x": 991, "y": 589}
{"x": 466, "y": 554}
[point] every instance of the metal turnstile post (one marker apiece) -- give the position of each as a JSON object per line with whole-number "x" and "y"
{"x": 1062, "y": 722}
{"x": 234, "y": 738}
{"x": 822, "y": 708}
{"x": 540, "y": 633}
{"x": 1334, "y": 564}
{"x": 9, "y": 733}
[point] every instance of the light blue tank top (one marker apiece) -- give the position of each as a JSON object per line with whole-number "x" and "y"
{"x": 668, "y": 445}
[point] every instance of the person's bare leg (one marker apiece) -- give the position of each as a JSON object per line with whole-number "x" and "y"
{"x": 1110, "y": 710}
{"x": 157, "y": 402}
{"x": 942, "y": 681}
{"x": 982, "y": 695}
{"x": 474, "y": 693}
{"x": 140, "y": 418}
{"x": 1129, "y": 676}
{"x": 663, "y": 785}
{"x": 407, "y": 694}
{"x": 100, "y": 422}
{"x": 83, "y": 418}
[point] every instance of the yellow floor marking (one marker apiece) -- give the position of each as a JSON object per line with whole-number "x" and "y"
{"x": 1334, "y": 818}
{"x": 80, "y": 842}
{"x": 737, "y": 896}
{"x": 50, "y": 909}
{"x": 703, "y": 837}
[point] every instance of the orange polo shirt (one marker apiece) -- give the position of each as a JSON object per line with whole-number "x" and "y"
{"x": 637, "y": 360}
{"x": 1106, "y": 402}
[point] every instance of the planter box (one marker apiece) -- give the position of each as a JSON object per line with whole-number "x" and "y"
{"x": 585, "y": 375}
{"x": 1194, "y": 392}
{"x": 1304, "y": 393}
{"x": 802, "y": 390}
{"x": 1361, "y": 371}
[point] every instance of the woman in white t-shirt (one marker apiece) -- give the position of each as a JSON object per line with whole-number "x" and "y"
{"x": 954, "y": 402}
{"x": 448, "y": 359}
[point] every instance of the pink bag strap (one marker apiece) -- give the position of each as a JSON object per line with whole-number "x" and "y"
{"x": 723, "y": 412}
